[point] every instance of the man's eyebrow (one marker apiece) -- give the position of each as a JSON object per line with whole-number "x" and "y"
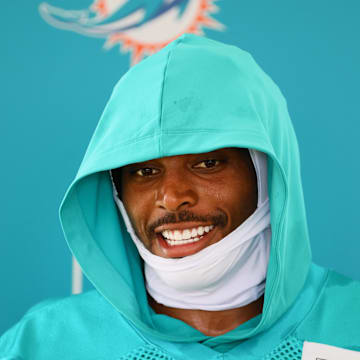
{"x": 136, "y": 165}
{"x": 142, "y": 163}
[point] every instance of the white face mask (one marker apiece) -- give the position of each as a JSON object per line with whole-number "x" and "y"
{"x": 228, "y": 274}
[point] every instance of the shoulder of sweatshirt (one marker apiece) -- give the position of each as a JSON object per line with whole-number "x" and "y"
{"x": 76, "y": 327}
{"x": 334, "y": 318}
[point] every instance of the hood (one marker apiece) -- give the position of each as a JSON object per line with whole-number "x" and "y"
{"x": 195, "y": 95}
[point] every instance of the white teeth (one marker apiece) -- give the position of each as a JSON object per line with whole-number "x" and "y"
{"x": 178, "y": 237}
{"x": 182, "y": 242}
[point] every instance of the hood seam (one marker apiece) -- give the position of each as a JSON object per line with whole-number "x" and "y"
{"x": 160, "y": 147}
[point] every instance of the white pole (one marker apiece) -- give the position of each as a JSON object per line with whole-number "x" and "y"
{"x": 77, "y": 277}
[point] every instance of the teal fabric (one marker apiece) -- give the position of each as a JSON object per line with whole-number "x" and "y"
{"x": 224, "y": 100}
{"x": 335, "y": 318}
{"x": 87, "y": 326}
{"x": 194, "y": 96}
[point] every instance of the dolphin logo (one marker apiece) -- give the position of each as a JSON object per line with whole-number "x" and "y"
{"x": 139, "y": 26}
{"x": 104, "y": 18}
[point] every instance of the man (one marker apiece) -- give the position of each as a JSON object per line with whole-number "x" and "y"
{"x": 187, "y": 215}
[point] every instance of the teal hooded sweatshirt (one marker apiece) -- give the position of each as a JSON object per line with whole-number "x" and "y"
{"x": 195, "y": 95}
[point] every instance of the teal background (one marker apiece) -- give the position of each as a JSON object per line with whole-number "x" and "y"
{"x": 55, "y": 83}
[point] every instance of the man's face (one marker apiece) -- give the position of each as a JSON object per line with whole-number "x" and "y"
{"x": 179, "y": 205}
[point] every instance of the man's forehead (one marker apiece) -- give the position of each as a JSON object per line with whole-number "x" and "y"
{"x": 216, "y": 152}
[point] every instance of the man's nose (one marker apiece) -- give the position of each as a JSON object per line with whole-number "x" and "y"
{"x": 176, "y": 193}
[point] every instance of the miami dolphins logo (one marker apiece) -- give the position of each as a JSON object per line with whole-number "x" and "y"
{"x": 141, "y": 27}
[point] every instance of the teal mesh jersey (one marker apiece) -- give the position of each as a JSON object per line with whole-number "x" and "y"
{"x": 195, "y": 95}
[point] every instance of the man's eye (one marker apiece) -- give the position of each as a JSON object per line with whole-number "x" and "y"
{"x": 146, "y": 171}
{"x": 207, "y": 164}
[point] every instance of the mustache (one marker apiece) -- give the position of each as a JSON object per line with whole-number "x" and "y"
{"x": 219, "y": 219}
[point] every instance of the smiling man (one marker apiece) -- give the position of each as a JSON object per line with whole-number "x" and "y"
{"x": 187, "y": 215}
{"x": 177, "y": 206}
{"x": 180, "y": 200}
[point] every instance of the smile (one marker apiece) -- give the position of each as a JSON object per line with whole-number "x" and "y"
{"x": 186, "y": 236}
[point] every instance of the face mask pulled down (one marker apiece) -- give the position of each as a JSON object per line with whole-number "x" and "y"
{"x": 228, "y": 274}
